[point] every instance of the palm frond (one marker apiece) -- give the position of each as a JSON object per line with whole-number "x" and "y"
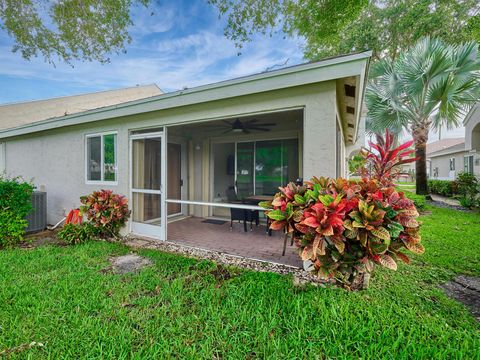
{"x": 432, "y": 80}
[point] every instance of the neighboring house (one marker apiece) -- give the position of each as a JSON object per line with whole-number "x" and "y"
{"x": 472, "y": 141}
{"x": 21, "y": 114}
{"x": 445, "y": 158}
{"x": 182, "y": 153}
{"x": 448, "y": 157}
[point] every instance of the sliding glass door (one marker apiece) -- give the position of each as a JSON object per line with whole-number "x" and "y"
{"x": 263, "y": 166}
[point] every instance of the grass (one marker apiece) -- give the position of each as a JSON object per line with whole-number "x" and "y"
{"x": 180, "y": 308}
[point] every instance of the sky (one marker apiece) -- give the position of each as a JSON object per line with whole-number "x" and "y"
{"x": 181, "y": 45}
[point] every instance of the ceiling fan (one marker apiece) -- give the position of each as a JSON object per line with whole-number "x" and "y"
{"x": 245, "y": 127}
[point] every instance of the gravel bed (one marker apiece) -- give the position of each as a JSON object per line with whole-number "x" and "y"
{"x": 442, "y": 204}
{"x": 299, "y": 275}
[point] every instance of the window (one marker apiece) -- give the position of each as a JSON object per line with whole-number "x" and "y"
{"x": 263, "y": 166}
{"x": 101, "y": 157}
{"x": 452, "y": 163}
{"x": 468, "y": 164}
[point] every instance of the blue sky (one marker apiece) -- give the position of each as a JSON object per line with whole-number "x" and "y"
{"x": 182, "y": 44}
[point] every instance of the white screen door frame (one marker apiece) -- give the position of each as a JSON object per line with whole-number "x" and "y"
{"x": 155, "y": 229}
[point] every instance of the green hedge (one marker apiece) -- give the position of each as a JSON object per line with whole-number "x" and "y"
{"x": 15, "y": 204}
{"x": 443, "y": 187}
{"x": 419, "y": 200}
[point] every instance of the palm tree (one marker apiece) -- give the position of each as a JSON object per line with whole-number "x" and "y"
{"x": 432, "y": 84}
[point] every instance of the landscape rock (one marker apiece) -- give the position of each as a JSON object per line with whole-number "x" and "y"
{"x": 128, "y": 263}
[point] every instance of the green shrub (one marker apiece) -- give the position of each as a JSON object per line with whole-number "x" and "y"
{"x": 15, "y": 204}
{"x": 442, "y": 187}
{"x": 468, "y": 188}
{"x": 74, "y": 234}
{"x": 467, "y": 202}
{"x": 418, "y": 200}
{"x": 12, "y": 228}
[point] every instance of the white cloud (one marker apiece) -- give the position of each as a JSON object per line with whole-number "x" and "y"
{"x": 172, "y": 62}
{"x": 153, "y": 19}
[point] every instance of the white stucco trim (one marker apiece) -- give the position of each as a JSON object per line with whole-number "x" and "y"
{"x": 325, "y": 70}
{"x": 3, "y": 164}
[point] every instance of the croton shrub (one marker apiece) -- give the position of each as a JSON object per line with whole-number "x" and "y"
{"x": 105, "y": 212}
{"x": 346, "y": 227}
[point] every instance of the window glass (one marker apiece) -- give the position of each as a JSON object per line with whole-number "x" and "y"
{"x": 468, "y": 164}
{"x": 109, "y": 164}
{"x": 276, "y": 164}
{"x": 245, "y": 169}
{"x": 147, "y": 163}
{"x": 263, "y": 166}
{"x": 94, "y": 162}
{"x": 101, "y": 162}
{"x": 268, "y": 167}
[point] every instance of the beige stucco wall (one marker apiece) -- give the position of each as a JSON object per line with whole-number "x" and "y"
{"x": 443, "y": 164}
{"x": 472, "y": 129}
{"x": 472, "y": 137}
{"x": 55, "y": 159}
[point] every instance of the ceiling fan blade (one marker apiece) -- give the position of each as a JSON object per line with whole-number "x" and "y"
{"x": 258, "y": 129}
{"x": 227, "y": 122}
{"x": 250, "y": 121}
{"x": 245, "y": 131}
{"x": 266, "y": 124}
{"x": 225, "y": 132}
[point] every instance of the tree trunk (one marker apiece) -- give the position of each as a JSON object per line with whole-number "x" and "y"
{"x": 420, "y": 137}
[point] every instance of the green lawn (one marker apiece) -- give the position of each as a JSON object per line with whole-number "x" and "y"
{"x": 179, "y": 308}
{"x": 405, "y": 186}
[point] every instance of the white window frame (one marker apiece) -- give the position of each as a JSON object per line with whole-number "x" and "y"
{"x": 102, "y": 158}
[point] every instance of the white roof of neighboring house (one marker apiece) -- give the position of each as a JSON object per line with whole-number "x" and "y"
{"x": 338, "y": 67}
{"x": 445, "y": 147}
{"x": 25, "y": 113}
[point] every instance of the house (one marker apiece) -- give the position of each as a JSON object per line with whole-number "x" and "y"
{"x": 445, "y": 158}
{"x": 472, "y": 141}
{"x": 181, "y": 154}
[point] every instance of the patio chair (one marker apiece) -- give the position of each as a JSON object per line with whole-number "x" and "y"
{"x": 236, "y": 214}
{"x": 241, "y": 214}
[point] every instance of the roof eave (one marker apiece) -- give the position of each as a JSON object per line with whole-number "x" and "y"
{"x": 317, "y": 72}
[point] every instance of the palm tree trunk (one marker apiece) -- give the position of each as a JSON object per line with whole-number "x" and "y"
{"x": 420, "y": 137}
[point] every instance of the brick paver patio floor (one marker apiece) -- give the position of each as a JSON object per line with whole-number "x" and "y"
{"x": 254, "y": 244}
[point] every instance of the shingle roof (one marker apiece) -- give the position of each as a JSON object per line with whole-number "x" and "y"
{"x": 24, "y": 113}
{"x": 443, "y": 144}
{"x": 458, "y": 147}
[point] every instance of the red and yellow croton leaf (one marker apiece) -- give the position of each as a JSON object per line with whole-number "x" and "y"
{"x": 387, "y": 261}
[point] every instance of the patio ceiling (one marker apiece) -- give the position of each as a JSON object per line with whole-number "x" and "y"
{"x": 284, "y": 121}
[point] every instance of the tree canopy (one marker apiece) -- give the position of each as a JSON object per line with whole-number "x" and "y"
{"x": 432, "y": 84}
{"x": 332, "y": 27}
{"x": 68, "y": 30}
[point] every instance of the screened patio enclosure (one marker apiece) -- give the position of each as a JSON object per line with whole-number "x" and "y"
{"x": 206, "y": 169}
